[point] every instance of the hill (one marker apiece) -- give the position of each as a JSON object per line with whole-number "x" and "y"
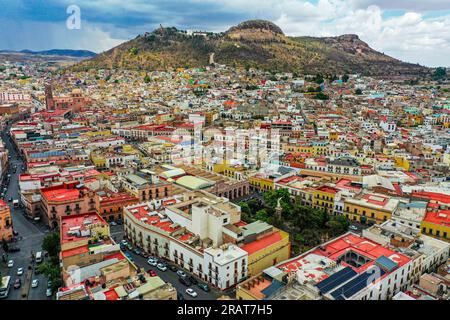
{"x": 54, "y": 52}
{"x": 255, "y": 43}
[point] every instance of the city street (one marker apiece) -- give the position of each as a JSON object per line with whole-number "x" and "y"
{"x": 169, "y": 275}
{"x": 30, "y": 236}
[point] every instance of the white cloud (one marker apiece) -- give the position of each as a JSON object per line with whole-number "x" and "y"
{"x": 409, "y": 34}
{"x": 55, "y": 35}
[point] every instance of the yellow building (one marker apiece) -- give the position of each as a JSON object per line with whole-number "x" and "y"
{"x": 270, "y": 249}
{"x": 261, "y": 183}
{"x": 370, "y": 208}
{"x": 402, "y": 162}
{"x": 334, "y": 135}
{"x": 323, "y": 198}
{"x": 98, "y": 160}
{"x": 437, "y": 224}
{"x": 230, "y": 171}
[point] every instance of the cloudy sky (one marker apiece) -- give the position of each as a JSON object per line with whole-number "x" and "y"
{"x": 416, "y": 31}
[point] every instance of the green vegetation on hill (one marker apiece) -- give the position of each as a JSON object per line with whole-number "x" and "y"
{"x": 258, "y": 44}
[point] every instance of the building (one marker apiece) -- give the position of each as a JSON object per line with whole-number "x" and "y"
{"x": 437, "y": 224}
{"x": 266, "y": 246}
{"x": 350, "y": 267}
{"x": 6, "y": 227}
{"x": 64, "y": 200}
{"x": 370, "y": 208}
{"x": 146, "y": 188}
{"x": 94, "y": 268}
{"x": 110, "y": 205}
{"x": 323, "y": 198}
{"x": 189, "y": 231}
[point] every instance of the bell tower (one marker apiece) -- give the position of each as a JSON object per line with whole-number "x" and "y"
{"x": 49, "y": 102}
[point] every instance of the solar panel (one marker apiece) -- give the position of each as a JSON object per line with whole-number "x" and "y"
{"x": 386, "y": 264}
{"x": 357, "y": 284}
{"x": 335, "y": 280}
{"x": 273, "y": 287}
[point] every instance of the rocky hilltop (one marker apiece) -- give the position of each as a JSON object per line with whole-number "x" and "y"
{"x": 255, "y": 43}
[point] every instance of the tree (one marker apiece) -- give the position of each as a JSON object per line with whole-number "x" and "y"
{"x": 262, "y": 215}
{"x": 147, "y": 78}
{"x": 51, "y": 244}
{"x": 358, "y": 91}
{"x": 53, "y": 273}
{"x": 439, "y": 73}
{"x": 321, "y": 96}
{"x": 345, "y": 78}
{"x": 5, "y": 246}
{"x": 134, "y": 51}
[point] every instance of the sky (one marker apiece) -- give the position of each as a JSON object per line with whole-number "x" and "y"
{"x": 416, "y": 31}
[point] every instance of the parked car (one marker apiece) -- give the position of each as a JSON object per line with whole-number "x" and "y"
{"x": 10, "y": 263}
{"x": 49, "y": 292}
{"x": 191, "y": 292}
{"x": 128, "y": 255}
{"x": 152, "y": 262}
{"x": 193, "y": 280}
{"x": 354, "y": 228}
{"x": 173, "y": 268}
{"x": 20, "y": 271}
{"x": 180, "y": 296}
{"x": 181, "y": 273}
{"x": 17, "y": 283}
{"x": 112, "y": 223}
{"x": 13, "y": 249}
{"x": 49, "y": 284}
{"x": 185, "y": 281}
{"x": 203, "y": 286}
{"x": 137, "y": 251}
{"x": 35, "y": 283}
{"x": 124, "y": 242}
{"x": 144, "y": 254}
{"x": 161, "y": 266}
{"x": 152, "y": 273}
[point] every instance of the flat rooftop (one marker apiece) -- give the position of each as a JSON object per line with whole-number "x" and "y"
{"x": 76, "y": 227}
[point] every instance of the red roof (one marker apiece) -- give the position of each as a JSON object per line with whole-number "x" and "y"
{"x": 441, "y": 218}
{"x": 262, "y": 243}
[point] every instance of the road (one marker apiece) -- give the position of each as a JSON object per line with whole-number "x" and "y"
{"x": 30, "y": 235}
{"x": 169, "y": 275}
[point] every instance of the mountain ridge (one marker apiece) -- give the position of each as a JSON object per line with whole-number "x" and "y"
{"x": 252, "y": 44}
{"x": 55, "y": 52}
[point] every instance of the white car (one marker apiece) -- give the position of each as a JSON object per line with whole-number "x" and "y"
{"x": 152, "y": 262}
{"x": 161, "y": 266}
{"x": 10, "y": 263}
{"x": 20, "y": 271}
{"x": 35, "y": 283}
{"x": 49, "y": 292}
{"x": 112, "y": 223}
{"x": 124, "y": 242}
{"x": 352, "y": 227}
{"x": 191, "y": 292}
{"x": 181, "y": 273}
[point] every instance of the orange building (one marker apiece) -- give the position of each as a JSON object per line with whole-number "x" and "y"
{"x": 64, "y": 200}
{"x": 110, "y": 206}
{"x": 6, "y": 230}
